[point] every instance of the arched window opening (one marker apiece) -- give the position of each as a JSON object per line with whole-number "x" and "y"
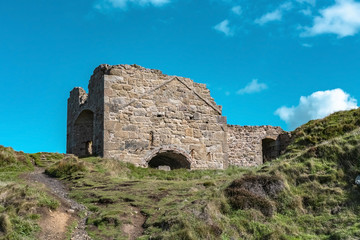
{"x": 83, "y": 134}
{"x": 171, "y": 159}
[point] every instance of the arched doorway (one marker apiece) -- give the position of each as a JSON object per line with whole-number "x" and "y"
{"x": 269, "y": 149}
{"x": 171, "y": 159}
{"x": 83, "y": 134}
{"x": 168, "y": 157}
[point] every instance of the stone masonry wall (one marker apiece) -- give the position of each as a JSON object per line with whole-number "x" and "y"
{"x": 246, "y": 144}
{"x": 146, "y": 110}
{"x": 85, "y": 119}
{"x": 140, "y": 115}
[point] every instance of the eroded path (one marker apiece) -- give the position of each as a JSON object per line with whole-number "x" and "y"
{"x": 55, "y": 224}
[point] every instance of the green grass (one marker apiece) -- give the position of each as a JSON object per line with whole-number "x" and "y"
{"x": 308, "y": 193}
{"x": 66, "y": 167}
{"x": 317, "y": 131}
{"x": 18, "y": 200}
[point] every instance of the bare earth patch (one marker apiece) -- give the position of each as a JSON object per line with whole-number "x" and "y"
{"x": 54, "y": 224}
{"x": 134, "y": 229}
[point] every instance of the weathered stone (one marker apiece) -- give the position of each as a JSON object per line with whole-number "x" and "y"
{"x": 164, "y": 168}
{"x": 131, "y": 111}
{"x": 129, "y": 128}
{"x": 115, "y": 71}
{"x": 134, "y": 144}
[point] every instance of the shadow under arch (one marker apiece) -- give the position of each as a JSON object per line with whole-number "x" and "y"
{"x": 171, "y": 156}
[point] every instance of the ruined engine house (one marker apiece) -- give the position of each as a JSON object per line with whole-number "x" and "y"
{"x": 150, "y": 119}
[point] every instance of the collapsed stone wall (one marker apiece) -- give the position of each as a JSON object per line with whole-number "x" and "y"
{"x": 85, "y": 119}
{"x": 253, "y": 145}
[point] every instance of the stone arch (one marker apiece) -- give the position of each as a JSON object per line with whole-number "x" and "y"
{"x": 83, "y": 133}
{"x": 269, "y": 149}
{"x": 170, "y": 156}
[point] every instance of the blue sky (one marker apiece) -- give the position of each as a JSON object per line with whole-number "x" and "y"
{"x": 266, "y": 62}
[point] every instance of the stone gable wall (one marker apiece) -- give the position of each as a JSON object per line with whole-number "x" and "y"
{"x": 145, "y": 110}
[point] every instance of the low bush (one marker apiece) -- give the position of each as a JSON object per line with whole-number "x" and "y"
{"x": 66, "y": 167}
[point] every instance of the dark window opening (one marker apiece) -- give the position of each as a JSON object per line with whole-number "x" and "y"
{"x": 172, "y": 159}
{"x": 269, "y": 149}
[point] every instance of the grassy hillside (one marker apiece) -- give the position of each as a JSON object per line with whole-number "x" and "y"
{"x": 308, "y": 193}
{"x": 20, "y": 203}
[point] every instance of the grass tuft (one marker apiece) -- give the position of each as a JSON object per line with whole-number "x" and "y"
{"x": 66, "y": 167}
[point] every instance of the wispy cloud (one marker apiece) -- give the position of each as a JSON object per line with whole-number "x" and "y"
{"x": 253, "y": 87}
{"x": 124, "y": 4}
{"x": 307, "y": 45}
{"x": 342, "y": 19}
{"x": 275, "y": 15}
{"x": 237, "y": 10}
{"x": 317, "y": 105}
{"x": 224, "y": 28}
{"x": 306, "y": 11}
{"x": 311, "y": 2}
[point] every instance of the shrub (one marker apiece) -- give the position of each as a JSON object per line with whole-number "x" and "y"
{"x": 262, "y": 185}
{"x": 7, "y": 156}
{"x": 254, "y": 191}
{"x": 66, "y": 168}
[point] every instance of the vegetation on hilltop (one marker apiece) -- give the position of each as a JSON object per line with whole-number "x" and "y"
{"x": 320, "y": 130}
{"x": 307, "y": 193}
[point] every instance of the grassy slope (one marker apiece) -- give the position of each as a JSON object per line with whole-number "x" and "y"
{"x": 318, "y": 198}
{"x": 319, "y": 201}
{"x": 19, "y": 202}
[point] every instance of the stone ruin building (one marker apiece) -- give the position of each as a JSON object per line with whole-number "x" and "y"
{"x": 150, "y": 119}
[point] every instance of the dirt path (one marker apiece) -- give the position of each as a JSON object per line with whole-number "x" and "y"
{"x": 54, "y": 224}
{"x": 134, "y": 228}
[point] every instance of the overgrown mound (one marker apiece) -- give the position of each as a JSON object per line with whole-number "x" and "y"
{"x": 317, "y": 131}
{"x": 12, "y": 160}
{"x": 66, "y": 167}
{"x": 255, "y": 191}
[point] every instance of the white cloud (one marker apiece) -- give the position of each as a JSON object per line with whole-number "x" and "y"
{"x": 123, "y": 4}
{"x": 307, "y": 45}
{"x": 224, "y": 28}
{"x": 317, "y": 105}
{"x": 236, "y": 10}
{"x": 342, "y": 19}
{"x": 275, "y": 15}
{"x": 269, "y": 17}
{"x": 252, "y": 87}
{"x": 306, "y": 12}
